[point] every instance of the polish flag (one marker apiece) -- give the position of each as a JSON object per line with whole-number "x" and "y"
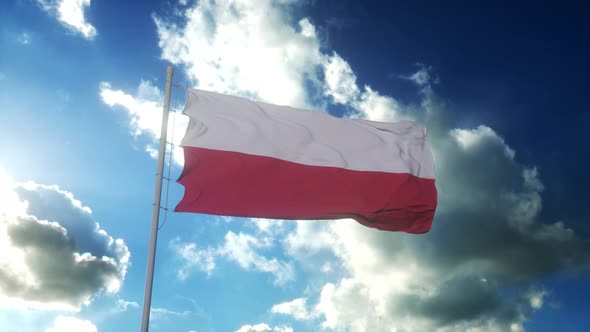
{"x": 251, "y": 159}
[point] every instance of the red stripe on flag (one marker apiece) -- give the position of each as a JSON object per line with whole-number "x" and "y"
{"x": 238, "y": 184}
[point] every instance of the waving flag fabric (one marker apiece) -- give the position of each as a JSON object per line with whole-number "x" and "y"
{"x": 252, "y": 159}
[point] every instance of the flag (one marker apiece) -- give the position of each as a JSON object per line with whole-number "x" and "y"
{"x": 251, "y": 159}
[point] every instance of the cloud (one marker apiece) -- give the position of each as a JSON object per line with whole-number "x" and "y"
{"x": 70, "y": 13}
{"x": 161, "y": 313}
{"x": 308, "y": 238}
{"x": 262, "y": 327}
{"x": 242, "y": 249}
{"x": 145, "y": 115}
{"x": 71, "y": 324}
{"x": 244, "y": 48}
{"x": 52, "y": 253}
{"x": 24, "y": 38}
{"x": 268, "y": 226}
{"x": 296, "y": 308}
{"x": 123, "y": 305}
{"x": 340, "y": 81}
{"x": 145, "y": 108}
{"x": 423, "y": 76}
{"x": 192, "y": 257}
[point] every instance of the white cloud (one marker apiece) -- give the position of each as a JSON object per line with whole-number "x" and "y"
{"x": 145, "y": 108}
{"x": 24, "y": 38}
{"x": 71, "y": 324}
{"x": 267, "y": 226}
{"x": 423, "y": 76}
{"x": 242, "y": 249}
{"x": 123, "y": 305}
{"x": 53, "y": 254}
{"x": 162, "y": 313}
{"x": 244, "y": 48}
{"x": 340, "y": 81}
{"x": 262, "y": 327}
{"x": 349, "y": 305}
{"x": 309, "y": 237}
{"x": 296, "y": 308}
{"x": 376, "y": 107}
{"x": 537, "y": 298}
{"x": 192, "y": 257}
{"x": 70, "y": 13}
{"x": 145, "y": 115}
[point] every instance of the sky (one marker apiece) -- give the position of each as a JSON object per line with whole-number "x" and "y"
{"x": 500, "y": 86}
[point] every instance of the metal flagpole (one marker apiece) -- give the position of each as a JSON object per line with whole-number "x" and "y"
{"x": 149, "y": 278}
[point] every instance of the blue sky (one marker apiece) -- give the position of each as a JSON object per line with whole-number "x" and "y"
{"x": 500, "y": 87}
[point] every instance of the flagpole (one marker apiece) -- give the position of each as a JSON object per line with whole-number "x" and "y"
{"x": 149, "y": 279}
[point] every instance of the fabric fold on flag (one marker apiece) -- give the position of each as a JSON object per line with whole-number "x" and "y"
{"x": 251, "y": 159}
